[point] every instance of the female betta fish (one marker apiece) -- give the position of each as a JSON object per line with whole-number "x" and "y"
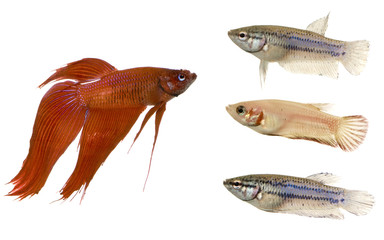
{"x": 105, "y": 103}
{"x": 301, "y": 121}
{"x": 301, "y": 51}
{"x": 303, "y": 196}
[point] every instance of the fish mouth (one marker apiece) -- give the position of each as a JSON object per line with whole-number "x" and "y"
{"x": 225, "y": 183}
{"x": 228, "y": 108}
{"x": 193, "y": 76}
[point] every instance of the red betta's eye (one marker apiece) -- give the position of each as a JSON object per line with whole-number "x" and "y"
{"x": 181, "y": 77}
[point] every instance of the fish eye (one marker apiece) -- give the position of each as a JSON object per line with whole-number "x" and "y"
{"x": 243, "y": 36}
{"x": 237, "y": 184}
{"x": 181, "y": 77}
{"x": 241, "y": 110}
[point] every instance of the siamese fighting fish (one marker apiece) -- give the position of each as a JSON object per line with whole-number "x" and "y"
{"x": 301, "y": 51}
{"x": 301, "y": 121}
{"x": 102, "y": 101}
{"x": 311, "y": 196}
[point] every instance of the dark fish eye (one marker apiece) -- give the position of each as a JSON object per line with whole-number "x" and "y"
{"x": 243, "y": 36}
{"x": 237, "y": 184}
{"x": 181, "y": 77}
{"x": 241, "y": 110}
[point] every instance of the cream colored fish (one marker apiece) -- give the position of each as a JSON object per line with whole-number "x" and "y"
{"x": 301, "y": 121}
{"x": 303, "y": 196}
{"x": 301, "y": 51}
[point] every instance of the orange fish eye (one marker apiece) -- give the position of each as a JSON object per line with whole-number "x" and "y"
{"x": 241, "y": 110}
{"x": 181, "y": 77}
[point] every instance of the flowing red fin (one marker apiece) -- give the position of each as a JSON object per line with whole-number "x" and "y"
{"x": 102, "y": 131}
{"x": 59, "y": 119}
{"x": 159, "y": 116}
{"x": 84, "y": 70}
{"x": 146, "y": 118}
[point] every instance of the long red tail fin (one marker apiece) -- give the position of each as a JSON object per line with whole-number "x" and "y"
{"x": 103, "y": 130}
{"x": 59, "y": 119}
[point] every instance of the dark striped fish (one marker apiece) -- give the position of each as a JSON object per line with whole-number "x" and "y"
{"x": 303, "y": 196}
{"x": 301, "y": 51}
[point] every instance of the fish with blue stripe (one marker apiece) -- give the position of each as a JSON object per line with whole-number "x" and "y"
{"x": 301, "y": 51}
{"x": 302, "y": 196}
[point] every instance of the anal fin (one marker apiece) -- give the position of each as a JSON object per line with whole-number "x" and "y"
{"x": 102, "y": 131}
{"x": 322, "y": 67}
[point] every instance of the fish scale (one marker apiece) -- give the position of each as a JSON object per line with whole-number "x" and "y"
{"x": 302, "y": 41}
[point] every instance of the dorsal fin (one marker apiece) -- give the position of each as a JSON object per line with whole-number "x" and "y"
{"x": 320, "y": 106}
{"x": 84, "y": 70}
{"x": 324, "y": 178}
{"x": 319, "y": 26}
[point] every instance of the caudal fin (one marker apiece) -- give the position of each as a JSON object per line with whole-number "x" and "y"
{"x": 351, "y": 132}
{"x": 355, "y": 58}
{"x": 358, "y": 202}
{"x": 59, "y": 119}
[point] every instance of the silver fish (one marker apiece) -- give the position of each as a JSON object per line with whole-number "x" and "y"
{"x": 301, "y": 51}
{"x": 302, "y": 196}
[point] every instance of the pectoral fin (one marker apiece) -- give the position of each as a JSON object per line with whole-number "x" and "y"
{"x": 260, "y": 119}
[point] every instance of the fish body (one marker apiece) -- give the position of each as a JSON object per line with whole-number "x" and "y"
{"x": 301, "y": 51}
{"x": 102, "y": 101}
{"x": 300, "y": 121}
{"x": 303, "y": 196}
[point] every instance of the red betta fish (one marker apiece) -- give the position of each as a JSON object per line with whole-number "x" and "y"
{"x": 106, "y": 103}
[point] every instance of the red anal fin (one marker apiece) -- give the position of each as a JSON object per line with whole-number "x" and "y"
{"x": 59, "y": 119}
{"x": 85, "y": 70}
{"x": 103, "y": 130}
{"x": 159, "y": 116}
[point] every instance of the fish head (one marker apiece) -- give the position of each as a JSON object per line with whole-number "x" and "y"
{"x": 175, "y": 82}
{"x": 246, "y": 113}
{"x": 243, "y": 188}
{"x": 248, "y": 38}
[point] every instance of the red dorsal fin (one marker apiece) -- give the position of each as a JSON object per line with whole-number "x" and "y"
{"x": 84, "y": 70}
{"x": 103, "y": 130}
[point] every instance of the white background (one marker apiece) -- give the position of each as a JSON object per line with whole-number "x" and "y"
{"x": 199, "y": 144}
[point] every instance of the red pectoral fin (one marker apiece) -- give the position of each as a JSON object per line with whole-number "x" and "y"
{"x": 260, "y": 118}
{"x": 103, "y": 130}
{"x": 159, "y": 116}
